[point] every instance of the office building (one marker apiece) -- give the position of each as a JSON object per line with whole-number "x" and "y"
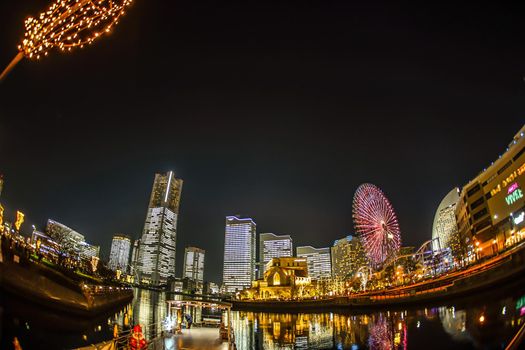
{"x": 318, "y": 260}
{"x": 445, "y": 227}
{"x": 194, "y": 264}
{"x": 156, "y": 255}
{"x": 273, "y": 246}
{"x": 239, "y": 254}
{"x": 348, "y": 256}
{"x": 119, "y": 254}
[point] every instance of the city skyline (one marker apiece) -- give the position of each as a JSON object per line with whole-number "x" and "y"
{"x": 291, "y": 114}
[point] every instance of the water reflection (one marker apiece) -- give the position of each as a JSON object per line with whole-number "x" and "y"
{"x": 485, "y": 321}
{"x": 487, "y": 326}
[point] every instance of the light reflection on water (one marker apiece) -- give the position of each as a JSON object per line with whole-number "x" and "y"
{"x": 482, "y": 322}
{"x": 490, "y": 326}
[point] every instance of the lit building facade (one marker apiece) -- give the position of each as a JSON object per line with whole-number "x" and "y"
{"x": 194, "y": 264}
{"x": 347, "y": 257}
{"x": 156, "y": 253}
{"x": 444, "y": 227}
{"x": 239, "y": 254}
{"x": 319, "y": 261}
{"x": 89, "y": 251}
{"x": 70, "y": 241}
{"x": 284, "y": 278}
{"x": 119, "y": 254}
{"x": 64, "y": 235}
{"x": 273, "y": 246}
{"x": 134, "y": 257}
{"x": 491, "y": 208}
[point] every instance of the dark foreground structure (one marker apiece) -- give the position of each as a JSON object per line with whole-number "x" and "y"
{"x": 48, "y": 287}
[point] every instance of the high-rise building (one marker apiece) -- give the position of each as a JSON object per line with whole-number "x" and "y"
{"x": 239, "y": 254}
{"x": 445, "y": 226}
{"x": 273, "y": 246}
{"x": 156, "y": 255}
{"x": 318, "y": 259}
{"x": 348, "y": 256}
{"x": 194, "y": 264}
{"x": 119, "y": 254}
{"x": 134, "y": 257}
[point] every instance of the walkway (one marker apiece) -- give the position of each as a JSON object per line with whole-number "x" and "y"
{"x": 192, "y": 339}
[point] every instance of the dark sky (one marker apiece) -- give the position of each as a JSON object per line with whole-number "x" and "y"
{"x": 276, "y": 110}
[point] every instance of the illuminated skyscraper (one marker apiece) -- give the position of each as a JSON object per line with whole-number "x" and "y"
{"x": 319, "y": 263}
{"x": 347, "y": 257}
{"x": 445, "y": 225}
{"x": 194, "y": 264}
{"x": 119, "y": 254}
{"x": 239, "y": 254}
{"x": 273, "y": 246}
{"x": 156, "y": 255}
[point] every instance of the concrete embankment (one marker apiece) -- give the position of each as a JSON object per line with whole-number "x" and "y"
{"x": 44, "y": 286}
{"x": 505, "y": 269}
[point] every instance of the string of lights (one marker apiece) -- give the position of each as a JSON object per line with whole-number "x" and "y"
{"x": 67, "y": 24}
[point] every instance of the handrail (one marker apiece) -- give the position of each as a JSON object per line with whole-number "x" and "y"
{"x": 517, "y": 340}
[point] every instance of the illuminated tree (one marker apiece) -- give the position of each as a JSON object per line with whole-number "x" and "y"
{"x": 67, "y": 24}
{"x": 19, "y": 220}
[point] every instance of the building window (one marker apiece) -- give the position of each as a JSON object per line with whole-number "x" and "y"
{"x": 477, "y": 203}
{"x": 485, "y": 223}
{"x": 518, "y": 154}
{"x": 502, "y": 169}
{"x": 473, "y": 190}
{"x": 480, "y": 214}
{"x": 276, "y": 279}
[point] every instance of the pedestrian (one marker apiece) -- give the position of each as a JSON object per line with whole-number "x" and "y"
{"x": 189, "y": 320}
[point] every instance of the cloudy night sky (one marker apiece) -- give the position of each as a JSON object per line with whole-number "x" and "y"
{"x": 275, "y": 110}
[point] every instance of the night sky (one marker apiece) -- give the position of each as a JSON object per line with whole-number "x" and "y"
{"x": 276, "y": 110}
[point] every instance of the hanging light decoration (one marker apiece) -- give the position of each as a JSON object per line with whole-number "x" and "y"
{"x": 68, "y": 24}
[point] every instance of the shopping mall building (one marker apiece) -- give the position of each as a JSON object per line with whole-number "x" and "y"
{"x": 491, "y": 208}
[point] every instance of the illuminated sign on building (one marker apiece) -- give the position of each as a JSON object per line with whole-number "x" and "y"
{"x": 514, "y": 193}
{"x": 509, "y": 179}
{"x": 519, "y": 219}
{"x": 19, "y": 220}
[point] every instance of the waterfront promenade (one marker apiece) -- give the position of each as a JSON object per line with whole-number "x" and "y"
{"x": 494, "y": 271}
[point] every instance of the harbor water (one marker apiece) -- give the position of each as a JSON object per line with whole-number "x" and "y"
{"x": 483, "y": 321}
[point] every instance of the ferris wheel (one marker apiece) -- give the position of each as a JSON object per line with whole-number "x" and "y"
{"x": 376, "y": 224}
